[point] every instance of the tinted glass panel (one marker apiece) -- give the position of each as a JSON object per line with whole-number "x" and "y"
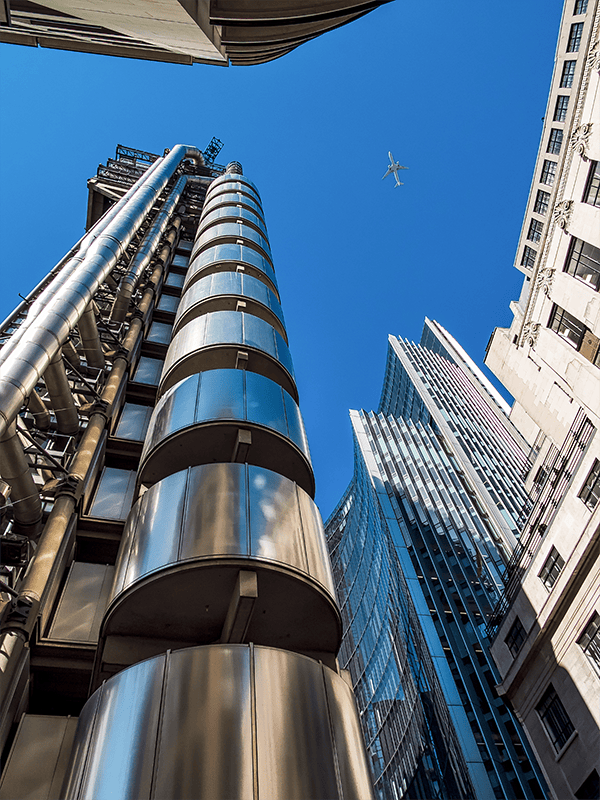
{"x": 148, "y": 371}
{"x": 265, "y": 403}
{"x": 114, "y": 494}
{"x": 134, "y": 422}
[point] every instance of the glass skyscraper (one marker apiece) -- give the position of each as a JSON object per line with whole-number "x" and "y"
{"x": 419, "y": 544}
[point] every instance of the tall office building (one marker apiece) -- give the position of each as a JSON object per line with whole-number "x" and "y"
{"x": 160, "y": 544}
{"x": 180, "y": 31}
{"x": 547, "y": 628}
{"x": 419, "y": 545}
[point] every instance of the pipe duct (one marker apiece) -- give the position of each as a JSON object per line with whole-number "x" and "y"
{"x": 30, "y": 356}
{"x": 27, "y": 505}
{"x": 61, "y": 397}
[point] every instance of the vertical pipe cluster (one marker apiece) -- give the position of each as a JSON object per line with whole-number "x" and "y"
{"x": 223, "y": 576}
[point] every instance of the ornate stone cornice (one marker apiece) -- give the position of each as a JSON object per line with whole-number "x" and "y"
{"x": 579, "y": 139}
{"x": 562, "y": 213}
{"x": 594, "y": 56}
{"x": 531, "y": 331}
{"x": 544, "y": 280}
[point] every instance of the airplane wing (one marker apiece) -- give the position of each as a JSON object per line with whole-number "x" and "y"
{"x": 389, "y": 172}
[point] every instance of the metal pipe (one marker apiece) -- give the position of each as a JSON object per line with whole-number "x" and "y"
{"x": 61, "y": 397}
{"x": 26, "y": 502}
{"x": 39, "y": 411}
{"x": 90, "y": 339}
{"x": 29, "y": 358}
{"x": 70, "y": 353}
{"x": 146, "y": 250}
{"x": 48, "y": 285}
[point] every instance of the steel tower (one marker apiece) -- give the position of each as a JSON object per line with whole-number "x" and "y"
{"x": 160, "y": 540}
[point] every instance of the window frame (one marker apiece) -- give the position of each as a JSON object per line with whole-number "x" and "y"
{"x": 516, "y": 637}
{"x": 548, "y": 172}
{"x": 568, "y": 73}
{"x": 583, "y": 261}
{"x": 561, "y": 108}
{"x": 550, "y": 571}
{"x": 536, "y": 228}
{"x": 592, "y": 186}
{"x": 558, "y": 316}
{"x": 591, "y": 636}
{"x": 553, "y": 716}
{"x": 541, "y": 204}
{"x": 580, "y": 8}
{"x": 555, "y": 141}
{"x": 575, "y": 36}
{"x": 591, "y": 487}
{"x": 529, "y": 256}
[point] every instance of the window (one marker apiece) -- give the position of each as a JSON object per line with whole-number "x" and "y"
{"x": 535, "y": 230}
{"x": 168, "y": 302}
{"x": 560, "y": 109}
{"x": 114, "y": 494}
{"x": 590, "y": 788}
{"x": 551, "y": 569}
{"x": 575, "y": 37}
{"x": 590, "y": 492}
{"x": 555, "y": 141}
{"x": 528, "y": 259}
{"x": 583, "y": 262}
{"x": 567, "y": 326}
{"x": 589, "y": 641}
{"x": 160, "y": 332}
{"x": 592, "y": 189}
{"x": 516, "y": 637}
{"x": 548, "y": 172}
{"x": 568, "y": 73}
{"x": 148, "y": 371}
{"x": 555, "y": 719}
{"x": 580, "y": 7}
{"x": 541, "y": 202}
{"x": 134, "y": 422}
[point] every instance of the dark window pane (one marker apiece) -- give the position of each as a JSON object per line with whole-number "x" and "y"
{"x": 590, "y": 492}
{"x": 575, "y": 37}
{"x": 560, "y": 110}
{"x": 516, "y": 637}
{"x": 548, "y": 172}
{"x": 541, "y": 202}
{"x": 528, "y": 259}
{"x": 589, "y": 641}
{"x": 555, "y": 141}
{"x": 580, "y": 7}
{"x": 592, "y": 189}
{"x": 551, "y": 569}
{"x": 567, "y": 326}
{"x": 583, "y": 262}
{"x": 555, "y": 718}
{"x": 535, "y": 230}
{"x": 566, "y": 79}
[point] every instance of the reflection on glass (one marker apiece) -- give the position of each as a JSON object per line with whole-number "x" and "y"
{"x": 134, "y": 422}
{"x": 114, "y": 494}
{"x": 148, "y": 371}
{"x": 160, "y": 332}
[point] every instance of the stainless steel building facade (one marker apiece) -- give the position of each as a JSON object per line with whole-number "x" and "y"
{"x": 169, "y": 623}
{"x": 419, "y": 547}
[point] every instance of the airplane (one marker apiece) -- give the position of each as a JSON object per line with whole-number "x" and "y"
{"x": 394, "y": 167}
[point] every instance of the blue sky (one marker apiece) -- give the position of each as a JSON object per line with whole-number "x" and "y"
{"x": 456, "y": 90}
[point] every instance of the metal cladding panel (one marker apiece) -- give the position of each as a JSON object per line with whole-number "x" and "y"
{"x": 220, "y": 722}
{"x": 48, "y": 739}
{"x": 115, "y": 742}
{"x": 231, "y": 213}
{"x": 223, "y": 510}
{"x": 231, "y": 199}
{"x": 232, "y": 231}
{"x": 225, "y": 284}
{"x": 221, "y": 396}
{"x": 232, "y": 183}
{"x": 82, "y": 603}
{"x": 228, "y": 257}
{"x": 205, "y": 745}
{"x": 295, "y": 748}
